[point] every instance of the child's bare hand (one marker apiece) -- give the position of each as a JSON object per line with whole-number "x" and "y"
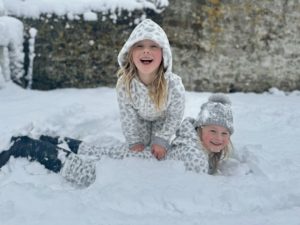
{"x": 138, "y": 148}
{"x": 158, "y": 151}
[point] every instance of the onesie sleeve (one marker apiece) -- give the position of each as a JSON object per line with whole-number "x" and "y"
{"x": 174, "y": 113}
{"x": 130, "y": 121}
{"x": 187, "y": 148}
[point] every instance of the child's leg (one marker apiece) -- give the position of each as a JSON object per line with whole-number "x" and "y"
{"x": 50, "y": 139}
{"x": 146, "y": 154}
{"x": 73, "y": 168}
{"x": 4, "y": 157}
{"x": 35, "y": 150}
{"x": 73, "y": 144}
{"x": 97, "y": 152}
{"x": 82, "y": 148}
{"x": 83, "y": 172}
{"x": 119, "y": 151}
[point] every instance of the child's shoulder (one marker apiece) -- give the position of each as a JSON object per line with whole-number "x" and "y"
{"x": 187, "y": 131}
{"x": 172, "y": 76}
{"x": 188, "y": 122}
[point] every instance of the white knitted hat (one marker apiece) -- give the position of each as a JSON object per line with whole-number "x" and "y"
{"x": 217, "y": 111}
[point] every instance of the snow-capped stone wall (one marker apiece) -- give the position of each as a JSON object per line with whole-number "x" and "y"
{"x": 236, "y": 45}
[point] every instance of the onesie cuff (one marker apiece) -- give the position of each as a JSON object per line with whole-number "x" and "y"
{"x": 160, "y": 141}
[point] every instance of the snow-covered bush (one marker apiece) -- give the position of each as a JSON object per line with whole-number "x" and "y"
{"x": 11, "y": 47}
{"x": 2, "y": 8}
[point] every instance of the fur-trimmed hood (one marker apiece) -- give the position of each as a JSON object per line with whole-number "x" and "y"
{"x": 150, "y": 30}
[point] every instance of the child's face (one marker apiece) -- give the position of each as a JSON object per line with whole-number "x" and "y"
{"x": 215, "y": 138}
{"x": 147, "y": 56}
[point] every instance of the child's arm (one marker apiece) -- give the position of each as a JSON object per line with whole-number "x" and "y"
{"x": 174, "y": 115}
{"x": 194, "y": 158}
{"x": 129, "y": 120}
{"x": 186, "y": 147}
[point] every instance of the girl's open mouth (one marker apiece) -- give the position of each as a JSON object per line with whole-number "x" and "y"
{"x": 146, "y": 61}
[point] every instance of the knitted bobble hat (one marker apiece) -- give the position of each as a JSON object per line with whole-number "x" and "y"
{"x": 216, "y": 111}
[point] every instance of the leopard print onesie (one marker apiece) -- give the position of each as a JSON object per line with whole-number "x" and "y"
{"x": 141, "y": 122}
{"x": 80, "y": 168}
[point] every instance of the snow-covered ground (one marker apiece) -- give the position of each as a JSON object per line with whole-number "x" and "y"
{"x": 260, "y": 184}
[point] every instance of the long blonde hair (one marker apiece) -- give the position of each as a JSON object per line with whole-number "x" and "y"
{"x": 158, "y": 88}
{"x": 215, "y": 157}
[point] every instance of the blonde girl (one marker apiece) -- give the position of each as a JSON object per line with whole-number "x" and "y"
{"x": 203, "y": 142}
{"x": 150, "y": 96}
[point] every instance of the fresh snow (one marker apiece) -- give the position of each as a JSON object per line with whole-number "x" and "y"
{"x": 34, "y": 8}
{"x": 260, "y": 182}
{"x": 258, "y": 185}
{"x": 11, "y": 48}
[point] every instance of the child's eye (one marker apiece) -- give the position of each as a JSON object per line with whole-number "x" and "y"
{"x": 225, "y": 133}
{"x": 154, "y": 46}
{"x": 212, "y": 131}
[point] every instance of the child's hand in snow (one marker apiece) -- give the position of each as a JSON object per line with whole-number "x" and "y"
{"x": 158, "y": 151}
{"x": 137, "y": 148}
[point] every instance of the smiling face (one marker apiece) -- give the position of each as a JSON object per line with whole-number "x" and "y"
{"x": 214, "y": 138}
{"x": 147, "y": 57}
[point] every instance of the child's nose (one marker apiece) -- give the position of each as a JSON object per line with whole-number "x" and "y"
{"x": 146, "y": 50}
{"x": 218, "y": 137}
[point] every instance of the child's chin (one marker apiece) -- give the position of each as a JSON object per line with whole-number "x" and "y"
{"x": 215, "y": 150}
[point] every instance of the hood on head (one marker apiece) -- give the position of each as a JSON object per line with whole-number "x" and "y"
{"x": 150, "y": 30}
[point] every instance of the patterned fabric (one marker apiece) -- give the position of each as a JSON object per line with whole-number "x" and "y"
{"x": 186, "y": 147}
{"x": 141, "y": 122}
{"x": 78, "y": 171}
{"x": 217, "y": 110}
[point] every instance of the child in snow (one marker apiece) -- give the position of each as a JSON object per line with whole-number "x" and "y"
{"x": 151, "y": 97}
{"x": 200, "y": 143}
{"x": 203, "y": 142}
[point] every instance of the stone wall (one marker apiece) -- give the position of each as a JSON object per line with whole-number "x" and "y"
{"x": 227, "y": 46}
{"x": 235, "y": 45}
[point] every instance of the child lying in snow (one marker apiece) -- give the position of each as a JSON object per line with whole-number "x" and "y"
{"x": 199, "y": 143}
